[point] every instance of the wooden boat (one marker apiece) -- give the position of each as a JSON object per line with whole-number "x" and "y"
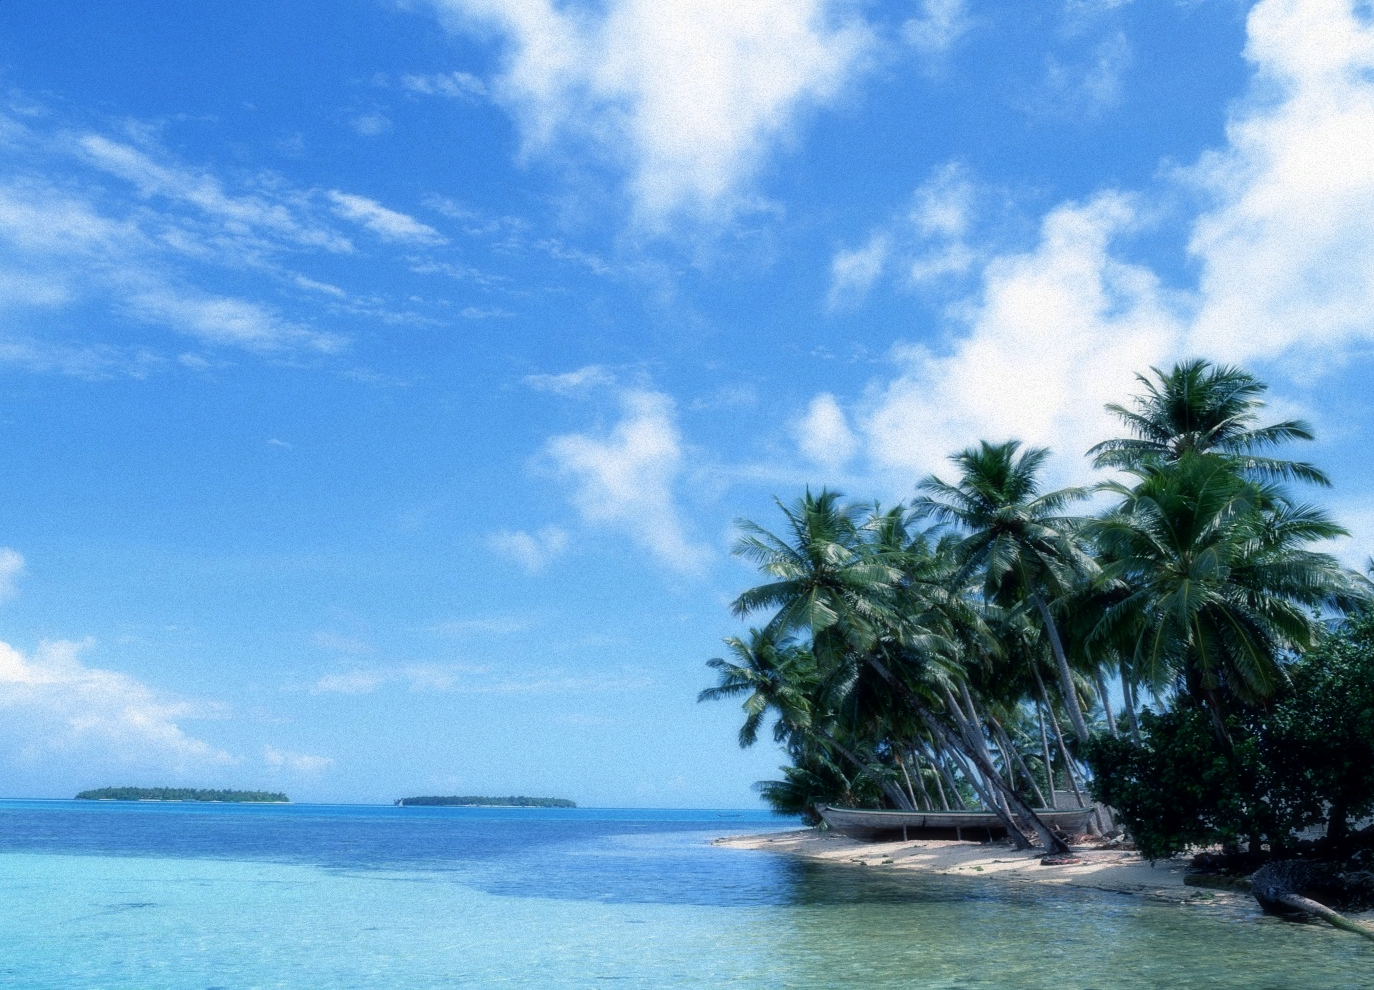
{"x": 974, "y": 826}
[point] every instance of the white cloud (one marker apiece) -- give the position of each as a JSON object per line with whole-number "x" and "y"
{"x": 303, "y": 763}
{"x": 532, "y": 551}
{"x": 386, "y": 224}
{"x": 224, "y": 321}
{"x": 1054, "y": 334}
{"x": 939, "y": 26}
{"x": 353, "y": 682}
{"x": 205, "y": 192}
{"x": 100, "y": 718}
{"x": 371, "y": 124}
{"x": 1286, "y": 253}
{"x": 853, "y": 272}
{"x": 572, "y": 382}
{"x": 688, "y": 98}
{"x": 11, "y": 566}
{"x": 823, "y": 434}
{"x": 928, "y": 242}
{"x": 1282, "y": 244}
{"x": 454, "y": 85}
{"x": 627, "y": 479}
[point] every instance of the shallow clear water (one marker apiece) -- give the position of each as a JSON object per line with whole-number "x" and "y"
{"x": 237, "y": 896}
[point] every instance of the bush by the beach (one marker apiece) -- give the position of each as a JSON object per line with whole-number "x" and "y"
{"x": 1307, "y": 758}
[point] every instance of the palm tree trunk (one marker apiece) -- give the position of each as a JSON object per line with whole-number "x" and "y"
{"x": 897, "y": 756}
{"x": 926, "y": 803}
{"x": 1052, "y": 843}
{"x": 1128, "y": 690}
{"x": 1080, "y": 726}
{"x": 1045, "y": 745}
{"x": 1008, "y": 747}
{"x": 892, "y": 792}
{"x": 1106, "y": 702}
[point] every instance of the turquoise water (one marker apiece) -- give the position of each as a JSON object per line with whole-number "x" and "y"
{"x": 181, "y": 896}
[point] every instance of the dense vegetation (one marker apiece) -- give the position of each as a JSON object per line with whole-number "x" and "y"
{"x": 487, "y": 802}
{"x": 964, "y": 648}
{"x": 180, "y": 794}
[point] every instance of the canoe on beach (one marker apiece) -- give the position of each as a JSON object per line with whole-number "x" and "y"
{"x": 974, "y": 826}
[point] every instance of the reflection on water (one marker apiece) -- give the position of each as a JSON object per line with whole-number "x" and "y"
{"x": 329, "y": 898}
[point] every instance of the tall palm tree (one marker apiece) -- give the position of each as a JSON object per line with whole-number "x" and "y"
{"x": 1220, "y": 579}
{"x": 1016, "y": 538}
{"x": 1208, "y": 409}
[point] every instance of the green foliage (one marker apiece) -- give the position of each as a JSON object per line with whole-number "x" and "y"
{"x": 485, "y": 802}
{"x": 1306, "y": 759}
{"x": 1320, "y": 735}
{"x": 181, "y": 794}
{"x": 1181, "y": 786}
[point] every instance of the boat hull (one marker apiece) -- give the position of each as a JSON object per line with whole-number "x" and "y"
{"x": 970, "y": 826}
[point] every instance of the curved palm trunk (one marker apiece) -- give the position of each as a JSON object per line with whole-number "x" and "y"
{"x": 893, "y": 793}
{"x": 1052, "y": 843}
{"x": 1008, "y": 748}
{"x": 1080, "y": 726}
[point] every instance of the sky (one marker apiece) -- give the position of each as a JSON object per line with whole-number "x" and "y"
{"x": 381, "y": 380}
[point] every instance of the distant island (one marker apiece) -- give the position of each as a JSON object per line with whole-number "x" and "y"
{"x": 181, "y": 794}
{"x": 486, "y": 802}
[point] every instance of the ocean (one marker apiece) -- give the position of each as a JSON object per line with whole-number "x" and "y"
{"x": 311, "y": 897}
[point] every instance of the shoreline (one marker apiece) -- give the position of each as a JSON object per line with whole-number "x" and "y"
{"x": 1112, "y": 870}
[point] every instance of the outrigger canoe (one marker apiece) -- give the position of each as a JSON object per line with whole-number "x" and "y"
{"x": 974, "y": 826}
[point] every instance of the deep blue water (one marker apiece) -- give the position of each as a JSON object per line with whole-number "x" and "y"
{"x": 114, "y": 895}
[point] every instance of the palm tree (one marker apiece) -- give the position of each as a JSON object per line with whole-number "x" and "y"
{"x": 777, "y": 677}
{"x": 1208, "y": 409}
{"x": 1220, "y": 579}
{"x": 1016, "y": 538}
{"x": 844, "y": 585}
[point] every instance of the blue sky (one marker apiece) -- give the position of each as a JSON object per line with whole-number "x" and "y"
{"x": 379, "y": 380}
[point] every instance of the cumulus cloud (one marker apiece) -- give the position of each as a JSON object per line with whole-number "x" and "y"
{"x": 1281, "y": 242}
{"x": 57, "y": 705}
{"x": 532, "y": 551}
{"x": 627, "y": 478}
{"x": 387, "y": 224}
{"x": 687, "y": 98}
{"x": 1055, "y": 333}
{"x": 1286, "y": 254}
{"x": 823, "y": 434}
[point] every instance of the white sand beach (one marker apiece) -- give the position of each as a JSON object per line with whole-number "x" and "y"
{"x": 1115, "y": 870}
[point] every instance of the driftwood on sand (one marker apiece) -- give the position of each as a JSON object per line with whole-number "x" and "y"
{"x": 1288, "y": 886}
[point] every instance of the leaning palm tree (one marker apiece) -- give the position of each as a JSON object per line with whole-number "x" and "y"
{"x": 1221, "y": 580}
{"x": 1207, "y": 409}
{"x": 776, "y": 677}
{"x": 850, "y": 595}
{"x": 1017, "y": 539}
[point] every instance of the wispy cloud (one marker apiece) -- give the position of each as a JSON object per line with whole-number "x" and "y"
{"x": 572, "y": 382}
{"x": 302, "y": 763}
{"x": 11, "y": 566}
{"x": 449, "y": 678}
{"x": 454, "y": 85}
{"x": 387, "y": 224}
{"x": 939, "y": 25}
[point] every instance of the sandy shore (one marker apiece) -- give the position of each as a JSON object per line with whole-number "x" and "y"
{"x": 1099, "y": 869}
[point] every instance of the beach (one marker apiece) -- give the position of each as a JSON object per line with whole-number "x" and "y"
{"x": 1115, "y": 871}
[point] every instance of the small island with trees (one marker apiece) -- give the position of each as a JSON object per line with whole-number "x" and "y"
{"x": 483, "y": 802}
{"x": 182, "y": 794}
